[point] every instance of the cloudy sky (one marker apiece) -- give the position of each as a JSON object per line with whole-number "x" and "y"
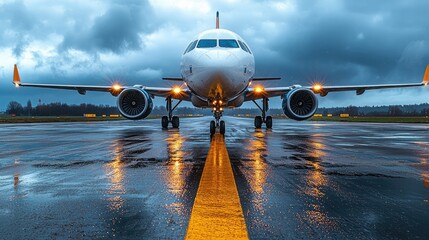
{"x": 138, "y": 42}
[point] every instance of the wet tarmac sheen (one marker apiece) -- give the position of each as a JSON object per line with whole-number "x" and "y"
{"x": 302, "y": 180}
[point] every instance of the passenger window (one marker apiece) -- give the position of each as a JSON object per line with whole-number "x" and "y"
{"x": 228, "y": 43}
{"x": 207, "y": 43}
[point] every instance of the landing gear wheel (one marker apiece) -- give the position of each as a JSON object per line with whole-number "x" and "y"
{"x": 175, "y": 122}
{"x": 212, "y": 127}
{"x": 164, "y": 122}
{"x": 222, "y": 127}
{"x": 258, "y": 122}
{"x": 269, "y": 122}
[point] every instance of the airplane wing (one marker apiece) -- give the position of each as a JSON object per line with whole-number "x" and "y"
{"x": 260, "y": 92}
{"x": 115, "y": 89}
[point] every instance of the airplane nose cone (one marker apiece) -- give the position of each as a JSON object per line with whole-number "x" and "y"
{"x": 218, "y": 59}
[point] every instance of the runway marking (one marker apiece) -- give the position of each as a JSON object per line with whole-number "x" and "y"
{"x": 217, "y": 211}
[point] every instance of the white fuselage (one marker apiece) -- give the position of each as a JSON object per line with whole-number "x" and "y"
{"x": 217, "y": 65}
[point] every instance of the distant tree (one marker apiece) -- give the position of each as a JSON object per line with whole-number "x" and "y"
{"x": 352, "y": 110}
{"x": 395, "y": 111}
{"x": 29, "y": 108}
{"x": 14, "y": 108}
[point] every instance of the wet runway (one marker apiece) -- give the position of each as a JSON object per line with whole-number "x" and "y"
{"x": 131, "y": 179}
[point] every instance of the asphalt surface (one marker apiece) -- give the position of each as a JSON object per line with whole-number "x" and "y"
{"x": 301, "y": 180}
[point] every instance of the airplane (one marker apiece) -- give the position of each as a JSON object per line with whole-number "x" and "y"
{"x": 217, "y": 71}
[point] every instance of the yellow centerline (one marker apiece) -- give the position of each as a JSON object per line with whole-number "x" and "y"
{"x": 217, "y": 212}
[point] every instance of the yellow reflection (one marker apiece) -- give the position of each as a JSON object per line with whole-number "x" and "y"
{"x": 15, "y": 181}
{"x": 174, "y": 175}
{"x": 256, "y": 150}
{"x": 315, "y": 182}
{"x": 425, "y": 175}
{"x": 115, "y": 174}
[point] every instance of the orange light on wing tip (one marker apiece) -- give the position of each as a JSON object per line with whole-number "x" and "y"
{"x": 116, "y": 87}
{"x": 177, "y": 90}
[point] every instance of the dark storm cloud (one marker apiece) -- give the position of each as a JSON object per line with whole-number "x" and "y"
{"x": 337, "y": 42}
{"x": 361, "y": 41}
{"x": 117, "y": 30}
{"x": 16, "y": 21}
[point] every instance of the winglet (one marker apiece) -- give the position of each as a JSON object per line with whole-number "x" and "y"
{"x": 16, "y": 78}
{"x": 426, "y": 76}
{"x": 217, "y": 20}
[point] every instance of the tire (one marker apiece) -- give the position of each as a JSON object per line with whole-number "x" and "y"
{"x": 258, "y": 122}
{"x": 212, "y": 127}
{"x": 269, "y": 122}
{"x": 175, "y": 122}
{"x": 222, "y": 127}
{"x": 164, "y": 122}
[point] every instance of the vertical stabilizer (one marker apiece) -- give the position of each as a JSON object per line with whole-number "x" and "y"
{"x": 16, "y": 78}
{"x": 217, "y": 20}
{"x": 426, "y": 76}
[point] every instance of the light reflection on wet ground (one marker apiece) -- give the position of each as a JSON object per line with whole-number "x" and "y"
{"x": 131, "y": 179}
{"x": 332, "y": 180}
{"x": 118, "y": 179}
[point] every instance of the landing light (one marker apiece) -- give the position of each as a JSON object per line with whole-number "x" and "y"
{"x": 259, "y": 89}
{"x": 17, "y": 85}
{"x": 426, "y": 84}
{"x": 317, "y": 87}
{"x": 220, "y": 102}
{"x": 177, "y": 90}
{"x": 116, "y": 87}
{"x": 214, "y": 102}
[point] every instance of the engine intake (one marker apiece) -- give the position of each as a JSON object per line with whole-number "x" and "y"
{"x": 299, "y": 104}
{"x": 134, "y": 103}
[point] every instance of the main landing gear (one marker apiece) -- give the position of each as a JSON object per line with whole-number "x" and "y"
{"x": 259, "y": 120}
{"x": 174, "y": 120}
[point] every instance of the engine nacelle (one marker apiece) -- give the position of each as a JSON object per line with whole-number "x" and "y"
{"x": 299, "y": 104}
{"x": 134, "y": 103}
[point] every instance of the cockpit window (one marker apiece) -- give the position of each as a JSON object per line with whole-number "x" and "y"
{"x": 244, "y": 46}
{"x": 207, "y": 43}
{"x": 191, "y": 46}
{"x": 228, "y": 43}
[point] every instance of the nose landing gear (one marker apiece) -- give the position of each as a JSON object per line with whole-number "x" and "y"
{"x": 217, "y": 123}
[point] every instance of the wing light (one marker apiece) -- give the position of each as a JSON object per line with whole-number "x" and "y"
{"x": 317, "y": 87}
{"x": 116, "y": 87}
{"x": 259, "y": 89}
{"x": 177, "y": 90}
{"x": 16, "y": 85}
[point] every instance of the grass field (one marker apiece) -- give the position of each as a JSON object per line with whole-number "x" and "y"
{"x": 40, "y": 119}
{"x": 375, "y": 119}
{"x": 47, "y": 119}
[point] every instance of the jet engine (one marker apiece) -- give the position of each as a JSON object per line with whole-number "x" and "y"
{"x": 134, "y": 103}
{"x": 299, "y": 104}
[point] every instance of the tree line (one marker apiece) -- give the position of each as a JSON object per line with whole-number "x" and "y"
{"x": 63, "y": 109}
{"x": 58, "y": 109}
